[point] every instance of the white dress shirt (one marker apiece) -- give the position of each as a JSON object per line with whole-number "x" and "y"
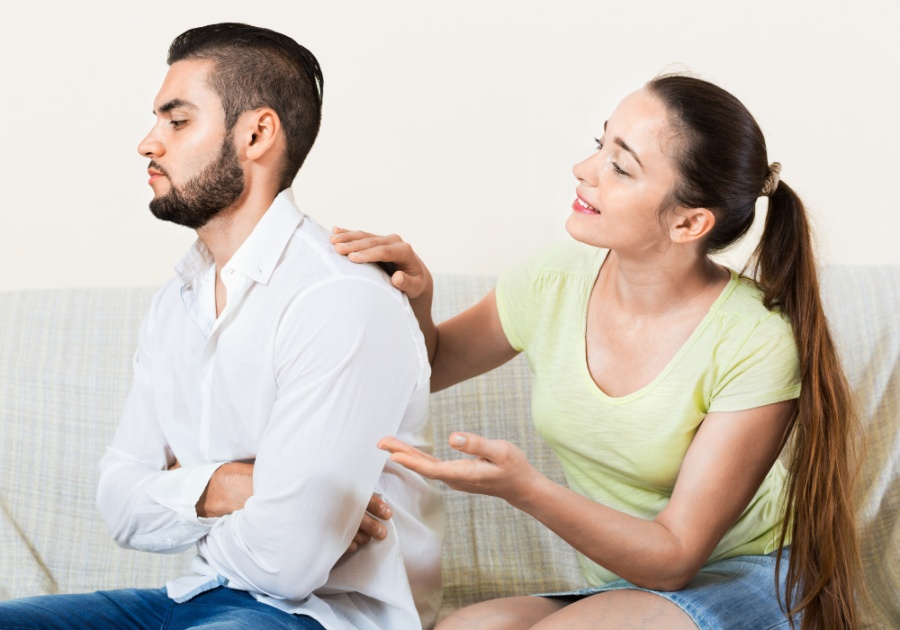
{"x": 311, "y": 362}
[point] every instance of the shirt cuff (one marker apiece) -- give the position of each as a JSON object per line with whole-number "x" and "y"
{"x": 180, "y": 489}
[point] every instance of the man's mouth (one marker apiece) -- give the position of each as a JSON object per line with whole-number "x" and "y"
{"x": 155, "y": 174}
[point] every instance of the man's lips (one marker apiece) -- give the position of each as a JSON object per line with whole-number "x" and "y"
{"x": 154, "y": 175}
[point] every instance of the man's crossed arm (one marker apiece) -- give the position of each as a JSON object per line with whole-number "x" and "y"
{"x": 232, "y": 484}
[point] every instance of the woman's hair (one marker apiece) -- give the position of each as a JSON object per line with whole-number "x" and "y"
{"x": 720, "y": 156}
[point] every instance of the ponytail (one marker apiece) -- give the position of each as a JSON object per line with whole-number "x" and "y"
{"x": 819, "y": 517}
{"x": 722, "y": 162}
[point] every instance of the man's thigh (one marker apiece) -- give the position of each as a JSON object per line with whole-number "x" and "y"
{"x": 226, "y": 609}
{"x": 129, "y": 609}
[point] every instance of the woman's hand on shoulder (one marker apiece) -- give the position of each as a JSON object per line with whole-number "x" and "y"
{"x": 410, "y": 276}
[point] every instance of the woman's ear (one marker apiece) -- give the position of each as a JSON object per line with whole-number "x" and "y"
{"x": 690, "y": 224}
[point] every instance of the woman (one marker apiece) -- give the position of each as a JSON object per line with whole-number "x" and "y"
{"x": 666, "y": 384}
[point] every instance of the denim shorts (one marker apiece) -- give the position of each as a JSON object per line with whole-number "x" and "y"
{"x": 732, "y": 594}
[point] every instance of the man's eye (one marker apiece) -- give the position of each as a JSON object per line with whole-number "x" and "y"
{"x": 177, "y": 123}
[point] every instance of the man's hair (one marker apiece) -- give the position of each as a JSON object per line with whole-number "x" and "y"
{"x": 256, "y": 67}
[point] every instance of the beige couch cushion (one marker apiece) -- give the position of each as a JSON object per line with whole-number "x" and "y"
{"x": 65, "y": 361}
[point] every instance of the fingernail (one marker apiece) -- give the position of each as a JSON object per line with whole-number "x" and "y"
{"x": 381, "y": 532}
{"x": 457, "y": 440}
{"x": 385, "y": 511}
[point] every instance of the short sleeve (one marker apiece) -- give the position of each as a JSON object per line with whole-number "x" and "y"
{"x": 765, "y": 370}
{"x": 515, "y": 299}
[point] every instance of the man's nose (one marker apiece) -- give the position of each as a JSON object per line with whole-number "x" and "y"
{"x": 151, "y": 148}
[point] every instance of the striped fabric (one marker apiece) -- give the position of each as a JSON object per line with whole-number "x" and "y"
{"x": 65, "y": 360}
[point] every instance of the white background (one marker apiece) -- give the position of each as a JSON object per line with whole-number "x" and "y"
{"x": 454, "y": 124}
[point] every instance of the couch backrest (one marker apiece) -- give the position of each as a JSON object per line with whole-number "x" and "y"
{"x": 65, "y": 360}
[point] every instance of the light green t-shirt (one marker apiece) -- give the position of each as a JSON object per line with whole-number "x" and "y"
{"x": 626, "y": 452}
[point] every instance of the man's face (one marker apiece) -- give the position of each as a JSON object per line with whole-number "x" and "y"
{"x": 194, "y": 170}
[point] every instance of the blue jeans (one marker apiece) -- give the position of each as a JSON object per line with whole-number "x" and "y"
{"x": 133, "y": 609}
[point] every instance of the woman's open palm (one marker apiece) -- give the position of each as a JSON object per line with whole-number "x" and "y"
{"x": 499, "y": 469}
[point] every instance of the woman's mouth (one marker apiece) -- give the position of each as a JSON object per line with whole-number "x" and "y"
{"x": 583, "y": 207}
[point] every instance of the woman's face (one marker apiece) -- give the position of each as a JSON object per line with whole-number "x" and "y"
{"x": 622, "y": 186}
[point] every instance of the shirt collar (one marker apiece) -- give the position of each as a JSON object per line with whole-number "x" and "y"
{"x": 257, "y": 256}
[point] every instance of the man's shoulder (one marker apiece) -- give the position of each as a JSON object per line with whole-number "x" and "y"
{"x": 310, "y": 262}
{"x": 164, "y": 300}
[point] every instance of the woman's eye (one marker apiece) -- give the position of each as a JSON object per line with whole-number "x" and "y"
{"x": 178, "y": 123}
{"x": 599, "y": 144}
{"x": 619, "y": 171}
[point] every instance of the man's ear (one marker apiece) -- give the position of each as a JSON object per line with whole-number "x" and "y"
{"x": 256, "y": 133}
{"x": 690, "y": 224}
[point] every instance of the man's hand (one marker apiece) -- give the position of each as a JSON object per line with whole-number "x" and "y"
{"x": 232, "y": 484}
{"x": 370, "y": 528}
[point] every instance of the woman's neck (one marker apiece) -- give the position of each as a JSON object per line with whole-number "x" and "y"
{"x": 667, "y": 285}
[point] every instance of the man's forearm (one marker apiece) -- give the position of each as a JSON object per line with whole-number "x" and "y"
{"x": 228, "y": 490}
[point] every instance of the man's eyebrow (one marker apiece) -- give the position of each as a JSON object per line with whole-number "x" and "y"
{"x": 175, "y": 102}
{"x": 622, "y": 144}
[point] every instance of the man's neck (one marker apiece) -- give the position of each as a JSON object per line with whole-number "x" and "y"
{"x": 228, "y": 230}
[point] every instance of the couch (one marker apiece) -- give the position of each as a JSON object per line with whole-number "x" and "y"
{"x": 65, "y": 369}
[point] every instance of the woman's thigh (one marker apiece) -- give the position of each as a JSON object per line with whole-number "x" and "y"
{"x": 618, "y": 610}
{"x": 510, "y": 613}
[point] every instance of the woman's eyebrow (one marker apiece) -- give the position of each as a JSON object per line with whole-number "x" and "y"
{"x": 175, "y": 102}
{"x": 621, "y": 143}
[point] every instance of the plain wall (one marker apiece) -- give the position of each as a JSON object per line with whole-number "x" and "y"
{"x": 454, "y": 124}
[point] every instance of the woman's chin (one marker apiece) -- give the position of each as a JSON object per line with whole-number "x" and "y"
{"x": 585, "y": 229}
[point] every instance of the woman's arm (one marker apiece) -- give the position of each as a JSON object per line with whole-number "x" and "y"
{"x": 722, "y": 471}
{"x": 461, "y": 348}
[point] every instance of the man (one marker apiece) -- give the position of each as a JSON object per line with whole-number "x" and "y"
{"x": 267, "y": 370}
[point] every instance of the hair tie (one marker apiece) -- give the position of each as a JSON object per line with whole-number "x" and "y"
{"x": 772, "y": 179}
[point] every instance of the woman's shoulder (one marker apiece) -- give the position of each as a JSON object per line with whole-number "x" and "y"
{"x": 745, "y": 309}
{"x": 568, "y": 257}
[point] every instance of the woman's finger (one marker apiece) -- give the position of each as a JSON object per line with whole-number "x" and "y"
{"x": 419, "y": 464}
{"x": 348, "y": 236}
{"x": 349, "y": 245}
{"x": 353, "y": 547}
{"x": 393, "y": 445}
{"x": 472, "y": 444}
{"x": 339, "y": 233}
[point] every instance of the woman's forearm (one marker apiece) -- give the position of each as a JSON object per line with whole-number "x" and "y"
{"x": 645, "y": 553}
{"x": 421, "y": 307}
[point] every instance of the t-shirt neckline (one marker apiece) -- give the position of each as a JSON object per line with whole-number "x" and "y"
{"x": 695, "y": 335}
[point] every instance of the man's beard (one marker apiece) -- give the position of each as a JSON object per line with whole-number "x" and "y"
{"x": 205, "y": 195}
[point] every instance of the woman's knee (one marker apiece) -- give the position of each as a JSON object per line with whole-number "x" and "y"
{"x": 612, "y": 610}
{"x": 511, "y": 613}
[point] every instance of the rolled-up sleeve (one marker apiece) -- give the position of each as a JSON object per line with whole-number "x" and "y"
{"x": 346, "y": 366}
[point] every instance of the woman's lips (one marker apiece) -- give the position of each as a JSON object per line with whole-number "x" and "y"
{"x": 581, "y": 206}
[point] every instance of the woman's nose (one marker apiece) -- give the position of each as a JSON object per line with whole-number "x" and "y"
{"x": 583, "y": 171}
